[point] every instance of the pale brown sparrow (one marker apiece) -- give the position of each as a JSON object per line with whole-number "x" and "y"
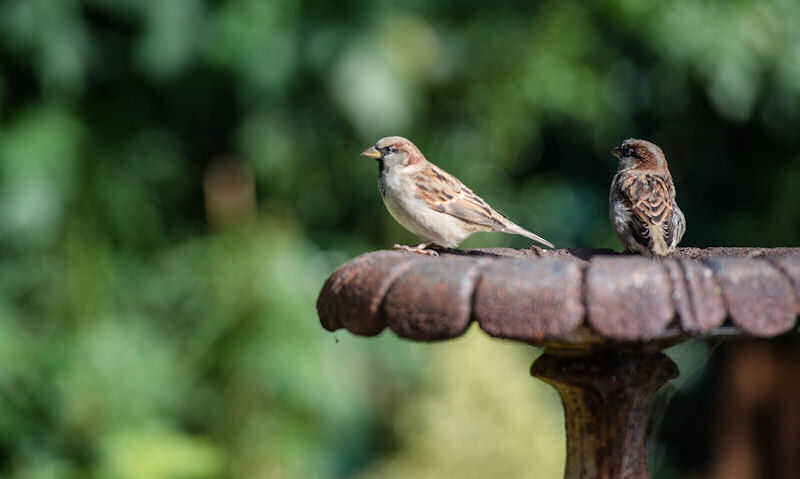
{"x": 430, "y": 202}
{"x": 642, "y": 204}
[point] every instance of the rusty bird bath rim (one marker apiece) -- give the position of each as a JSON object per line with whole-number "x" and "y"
{"x": 602, "y": 317}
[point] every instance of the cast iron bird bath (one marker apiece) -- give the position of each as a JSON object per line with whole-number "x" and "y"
{"x": 602, "y": 318}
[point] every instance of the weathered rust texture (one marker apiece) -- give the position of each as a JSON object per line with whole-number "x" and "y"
{"x": 351, "y": 297}
{"x": 628, "y": 298}
{"x": 760, "y": 299}
{"x": 529, "y": 295}
{"x": 534, "y": 252}
{"x": 789, "y": 264}
{"x": 434, "y": 299}
{"x": 605, "y": 401}
{"x": 697, "y": 296}
{"x": 530, "y": 300}
{"x": 497, "y": 252}
{"x": 578, "y": 300}
{"x": 728, "y": 252}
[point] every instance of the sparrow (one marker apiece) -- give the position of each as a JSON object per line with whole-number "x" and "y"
{"x": 430, "y": 202}
{"x": 642, "y": 205}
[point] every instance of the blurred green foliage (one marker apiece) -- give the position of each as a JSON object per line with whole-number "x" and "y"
{"x": 177, "y": 179}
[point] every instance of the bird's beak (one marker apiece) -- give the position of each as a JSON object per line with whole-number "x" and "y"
{"x": 616, "y": 152}
{"x": 371, "y": 152}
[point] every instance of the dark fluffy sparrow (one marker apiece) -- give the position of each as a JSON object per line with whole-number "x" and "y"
{"x": 642, "y": 204}
{"x": 430, "y": 202}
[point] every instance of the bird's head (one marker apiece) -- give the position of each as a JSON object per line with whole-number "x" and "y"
{"x": 394, "y": 152}
{"x": 639, "y": 154}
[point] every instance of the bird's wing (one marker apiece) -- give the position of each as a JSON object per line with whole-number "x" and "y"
{"x": 650, "y": 199}
{"x": 443, "y": 192}
{"x": 679, "y": 225}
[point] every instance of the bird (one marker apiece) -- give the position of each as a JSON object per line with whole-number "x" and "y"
{"x": 430, "y": 202}
{"x": 642, "y": 205}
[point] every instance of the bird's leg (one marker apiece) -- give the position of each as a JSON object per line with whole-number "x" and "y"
{"x": 420, "y": 248}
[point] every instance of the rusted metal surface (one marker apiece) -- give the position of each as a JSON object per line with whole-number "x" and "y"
{"x": 697, "y": 295}
{"x": 352, "y": 296}
{"x": 789, "y": 264}
{"x": 728, "y": 252}
{"x": 566, "y": 297}
{"x": 760, "y": 298}
{"x": 605, "y": 400}
{"x": 600, "y": 314}
{"x": 432, "y": 300}
{"x": 524, "y": 299}
{"x": 629, "y": 298}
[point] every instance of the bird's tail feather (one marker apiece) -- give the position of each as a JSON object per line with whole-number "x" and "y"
{"x": 514, "y": 229}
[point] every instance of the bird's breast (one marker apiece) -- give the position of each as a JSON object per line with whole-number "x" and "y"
{"x": 393, "y": 184}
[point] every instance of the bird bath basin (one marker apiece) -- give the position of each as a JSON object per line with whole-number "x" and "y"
{"x": 602, "y": 318}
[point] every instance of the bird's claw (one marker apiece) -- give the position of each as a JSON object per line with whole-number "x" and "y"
{"x": 420, "y": 248}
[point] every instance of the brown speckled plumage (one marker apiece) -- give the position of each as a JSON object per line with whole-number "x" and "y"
{"x": 642, "y": 205}
{"x": 430, "y": 202}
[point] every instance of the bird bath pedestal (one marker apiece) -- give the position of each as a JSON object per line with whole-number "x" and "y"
{"x": 602, "y": 318}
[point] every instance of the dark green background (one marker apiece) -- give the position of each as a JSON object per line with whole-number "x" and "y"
{"x": 178, "y": 178}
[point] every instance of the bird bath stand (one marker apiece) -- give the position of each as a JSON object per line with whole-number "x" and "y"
{"x": 602, "y": 318}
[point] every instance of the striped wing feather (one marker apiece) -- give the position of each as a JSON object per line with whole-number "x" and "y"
{"x": 651, "y": 199}
{"x": 445, "y": 193}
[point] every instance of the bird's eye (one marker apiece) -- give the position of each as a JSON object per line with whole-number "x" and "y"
{"x": 392, "y": 149}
